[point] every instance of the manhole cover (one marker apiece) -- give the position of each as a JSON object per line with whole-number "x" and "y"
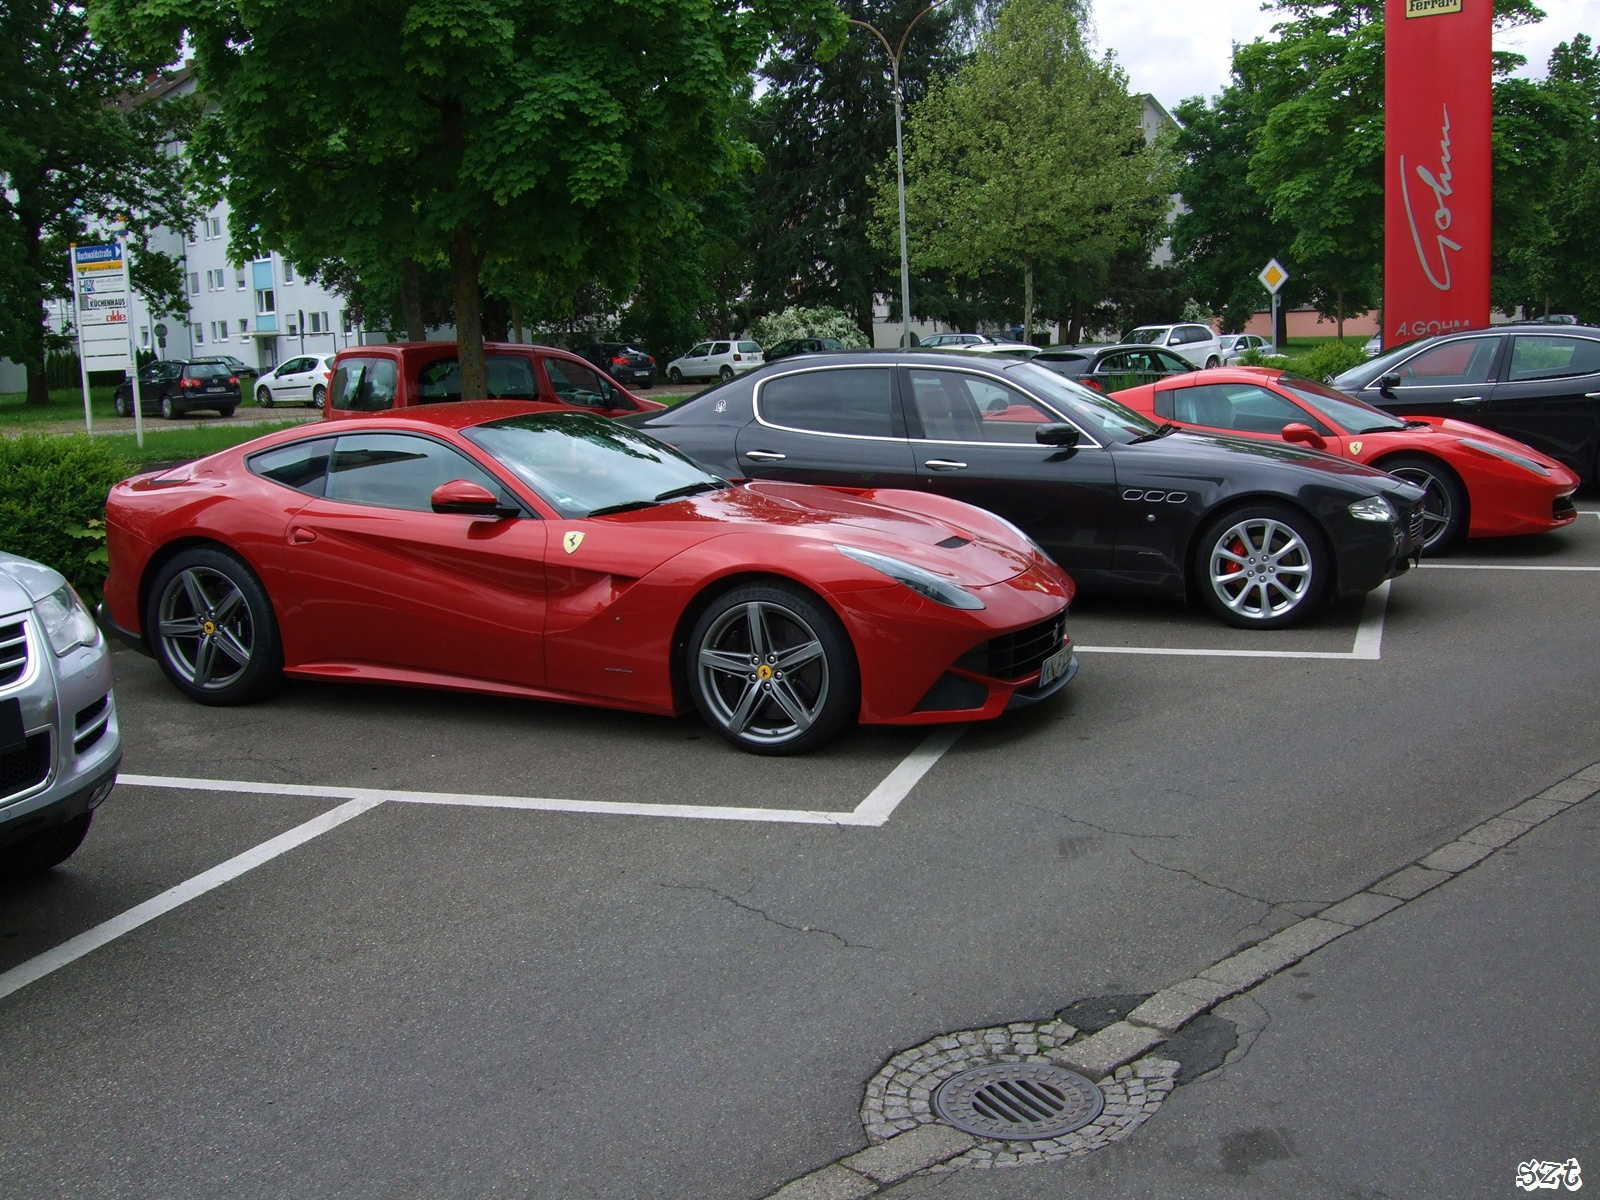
{"x": 1018, "y": 1101}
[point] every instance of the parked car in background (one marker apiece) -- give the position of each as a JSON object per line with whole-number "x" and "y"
{"x": 526, "y": 550}
{"x": 1236, "y": 345}
{"x": 59, "y": 740}
{"x": 1374, "y": 346}
{"x": 240, "y": 368}
{"x": 1111, "y": 368}
{"x": 621, "y": 361}
{"x": 1555, "y": 319}
{"x": 716, "y": 360}
{"x": 1477, "y": 483}
{"x": 299, "y": 380}
{"x": 935, "y": 340}
{"x": 175, "y": 386}
{"x": 368, "y": 379}
{"x": 800, "y": 345}
{"x": 1536, "y": 384}
{"x": 1263, "y": 536}
{"x": 1199, "y": 344}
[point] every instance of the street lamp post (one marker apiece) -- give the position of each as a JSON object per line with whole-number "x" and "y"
{"x": 900, "y": 164}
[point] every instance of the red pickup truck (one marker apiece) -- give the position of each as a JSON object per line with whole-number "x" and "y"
{"x": 367, "y": 379}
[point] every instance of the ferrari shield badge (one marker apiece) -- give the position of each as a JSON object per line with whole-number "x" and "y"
{"x": 571, "y": 540}
{"x": 1355, "y": 447}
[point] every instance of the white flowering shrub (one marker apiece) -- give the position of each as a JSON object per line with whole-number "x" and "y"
{"x": 808, "y": 322}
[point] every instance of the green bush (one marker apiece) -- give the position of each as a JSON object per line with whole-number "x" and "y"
{"x": 53, "y": 503}
{"x": 808, "y": 322}
{"x": 1256, "y": 358}
{"x": 1329, "y": 359}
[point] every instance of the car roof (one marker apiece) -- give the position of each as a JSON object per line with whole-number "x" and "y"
{"x": 455, "y": 414}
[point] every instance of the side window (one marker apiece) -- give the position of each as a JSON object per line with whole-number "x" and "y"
{"x": 700, "y": 351}
{"x": 393, "y": 470}
{"x": 1464, "y": 361}
{"x": 364, "y": 384}
{"x": 302, "y": 466}
{"x": 439, "y": 381}
{"x": 952, "y": 406}
{"x": 1112, "y": 363}
{"x": 1240, "y": 406}
{"x": 577, "y": 384}
{"x": 721, "y": 348}
{"x": 1546, "y": 357}
{"x": 1170, "y": 362}
{"x": 511, "y": 377}
{"x": 857, "y": 401}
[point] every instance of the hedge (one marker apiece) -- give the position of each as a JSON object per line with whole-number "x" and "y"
{"x": 53, "y": 503}
{"x": 1330, "y": 359}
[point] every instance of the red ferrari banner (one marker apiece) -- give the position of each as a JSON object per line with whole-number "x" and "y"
{"x": 1439, "y": 167}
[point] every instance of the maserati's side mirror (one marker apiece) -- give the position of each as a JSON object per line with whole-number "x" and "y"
{"x": 1387, "y": 384}
{"x": 1057, "y": 435}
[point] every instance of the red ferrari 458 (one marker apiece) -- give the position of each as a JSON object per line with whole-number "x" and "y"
{"x": 1478, "y": 483}
{"x": 532, "y": 550}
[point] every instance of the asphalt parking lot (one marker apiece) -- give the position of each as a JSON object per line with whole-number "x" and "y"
{"x": 479, "y": 947}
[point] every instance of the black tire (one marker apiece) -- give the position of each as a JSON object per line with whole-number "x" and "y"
{"x": 1285, "y": 571}
{"x": 212, "y": 628}
{"x": 227, "y": 409}
{"x": 1213, "y": 361}
{"x": 264, "y": 397}
{"x": 770, "y": 707}
{"x": 319, "y": 397}
{"x": 122, "y": 406}
{"x": 1446, "y": 509}
{"x": 169, "y": 410}
{"x": 725, "y": 374}
{"x": 675, "y": 375}
{"x": 45, "y": 849}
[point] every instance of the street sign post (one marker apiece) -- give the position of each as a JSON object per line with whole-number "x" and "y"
{"x": 1273, "y": 276}
{"x": 100, "y": 312}
{"x": 133, "y": 350}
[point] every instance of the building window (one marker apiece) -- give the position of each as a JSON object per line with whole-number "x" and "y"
{"x": 144, "y": 336}
{"x": 194, "y": 282}
{"x": 264, "y": 302}
{"x": 344, "y": 319}
{"x": 213, "y": 228}
{"x": 194, "y": 237}
{"x": 244, "y": 326}
{"x": 288, "y": 271}
{"x": 239, "y": 276}
{"x": 199, "y": 333}
{"x": 294, "y": 330}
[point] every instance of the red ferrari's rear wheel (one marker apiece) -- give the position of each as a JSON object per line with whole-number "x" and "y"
{"x": 772, "y": 669}
{"x": 212, "y": 628}
{"x": 1444, "y": 508}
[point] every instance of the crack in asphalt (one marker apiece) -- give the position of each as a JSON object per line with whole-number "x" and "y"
{"x": 1165, "y": 837}
{"x": 1221, "y": 887}
{"x": 766, "y": 916}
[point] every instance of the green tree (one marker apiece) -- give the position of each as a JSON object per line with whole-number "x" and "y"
{"x": 1033, "y": 153}
{"x": 524, "y": 142}
{"x": 81, "y": 143}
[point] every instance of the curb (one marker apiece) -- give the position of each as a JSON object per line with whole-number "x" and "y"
{"x": 1104, "y": 1055}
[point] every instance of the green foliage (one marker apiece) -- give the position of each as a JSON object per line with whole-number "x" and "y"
{"x": 1033, "y": 154}
{"x": 808, "y": 322}
{"x": 1329, "y": 359}
{"x": 74, "y": 154}
{"x": 53, "y": 503}
{"x": 1255, "y": 357}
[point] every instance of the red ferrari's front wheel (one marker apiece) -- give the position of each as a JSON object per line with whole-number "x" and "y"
{"x": 772, "y": 669}
{"x": 1444, "y": 507}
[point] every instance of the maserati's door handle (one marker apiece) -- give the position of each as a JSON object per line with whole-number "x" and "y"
{"x": 300, "y": 535}
{"x": 765, "y": 455}
{"x": 945, "y": 464}
{"x": 1591, "y": 395}
{"x": 1469, "y": 399}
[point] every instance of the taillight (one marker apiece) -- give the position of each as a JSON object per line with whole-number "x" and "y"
{"x": 652, "y": 361}
{"x": 1094, "y": 385}
{"x": 233, "y": 379}
{"x": 619, "y": 361}
{"x": 736, "y": 358}
{"x": 189, "y": 383}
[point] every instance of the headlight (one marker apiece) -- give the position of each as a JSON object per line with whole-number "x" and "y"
{"x": 924, "y": 583}
{"x": 1374, "y": 508}
{"x": 1508, "y": 455}
{"x": 66, "y": 621}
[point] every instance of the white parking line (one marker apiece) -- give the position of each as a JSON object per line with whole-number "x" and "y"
{"x": 871, "y": 812}
{"x": 1500, "y": 567}
{"x": 1368, "y": 645}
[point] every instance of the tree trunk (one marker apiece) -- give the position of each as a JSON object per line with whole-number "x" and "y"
{"x": 1027, "y": 300}
{"x": 38, "y": 384}
{"x": 1280, "y": 328}
{"x": 1338, "y": 307}
{"x": 469, "y": 315}
{"x": 496, "y": 319}
{"x": 33, "y": 258}
{"x": 411, "y": 301}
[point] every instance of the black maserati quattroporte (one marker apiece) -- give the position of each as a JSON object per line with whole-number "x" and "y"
{"x": 1264, "y": 534}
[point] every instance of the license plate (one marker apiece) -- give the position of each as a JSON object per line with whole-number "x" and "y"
{"x": 1055, "y": 666}
{"x": 216, "y": 389}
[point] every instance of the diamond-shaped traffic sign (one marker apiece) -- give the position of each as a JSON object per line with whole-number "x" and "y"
{"x": 1273, "y": 276}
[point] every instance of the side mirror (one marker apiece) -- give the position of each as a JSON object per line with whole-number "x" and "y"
{"x": 1387, "y": 384}
{"x": 1299, "y": 431}
{"x": 1056, "y": 435}
{"x": 473, "y": 499}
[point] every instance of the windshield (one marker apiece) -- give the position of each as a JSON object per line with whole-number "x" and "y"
{"x": 1104, "y": 418}
{"x": 1149, "y": 336}
{"x": 582, "y": 464}
{"x": 1345, "y": 411}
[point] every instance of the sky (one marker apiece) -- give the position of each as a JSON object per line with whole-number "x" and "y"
{"x": 1179, "y": 48}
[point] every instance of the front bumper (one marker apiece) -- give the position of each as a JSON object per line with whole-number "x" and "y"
{"x": 69, "y": 716}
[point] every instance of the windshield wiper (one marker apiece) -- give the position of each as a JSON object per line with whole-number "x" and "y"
{"x": 690, "y": 489}
{"x": 1412, "y": 425}
{"x": 1160, "y": 431}
{"x": 1390, "y": 428}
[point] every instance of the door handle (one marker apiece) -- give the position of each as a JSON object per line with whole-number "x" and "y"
{"x": 945, "y": 464}
{"x": 765, "y": 455}
{"x": 299, "y": 535}
{"x": 1469, "y": 399}
{"x": 1591, "y": 395}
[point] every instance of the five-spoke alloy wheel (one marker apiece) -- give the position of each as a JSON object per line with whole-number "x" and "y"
{"x": 212, "y": 629}
{"x": 1262, "y": 567}
{"x": 264, "y": 397}
{"x": 771, "y": 668}
{"x": 1444, "y": 507}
